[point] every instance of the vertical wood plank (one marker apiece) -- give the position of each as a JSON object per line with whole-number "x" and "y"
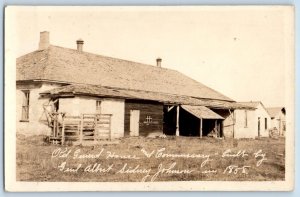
{"x": 95, "y": 127}
{"x": 110, "y": 133}
{"x": 54, "y": 127}
{"x": 177, "y": 121}
{"x": 81, "y": 130}
{"x": 57, "y": 124}
{"x": 233, "y": 113}
{"x": 63, "y": 133}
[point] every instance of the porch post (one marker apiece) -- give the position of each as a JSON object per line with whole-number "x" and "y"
{"x": 177, "y": 121}
{"x": 201, "y": 122}
{"x": 216, "y": 127}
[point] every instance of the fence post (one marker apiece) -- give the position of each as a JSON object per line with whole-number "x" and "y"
{"x": 81, "y": 130}
{"x": 95, "y": 128}
{"x": 63, "y": 132}
{"x": 110, "y": 128}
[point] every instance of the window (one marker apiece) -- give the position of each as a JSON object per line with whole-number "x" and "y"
{"x": 246, "y": 118}
{"x": 25, "y": 106}
{"x": 266, "y": 123}
{"x": 148, "y": 119}
{"x": 98, "y": 106}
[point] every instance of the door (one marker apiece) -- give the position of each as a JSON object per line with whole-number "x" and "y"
{"x": 134, "y": 122}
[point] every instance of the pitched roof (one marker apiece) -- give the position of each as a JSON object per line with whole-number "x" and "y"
{"x": 274, "y": 111}
{"x": 252, "y": 104}
{"x": 69, "y": 65}
{"x": 202, "y": 112}
{"x": 100, "y": 91}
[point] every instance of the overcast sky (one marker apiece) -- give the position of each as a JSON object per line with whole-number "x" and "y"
{"x": 243, "y": 53}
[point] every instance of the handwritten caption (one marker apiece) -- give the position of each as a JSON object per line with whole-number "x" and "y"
{"x": 151, "y": 164}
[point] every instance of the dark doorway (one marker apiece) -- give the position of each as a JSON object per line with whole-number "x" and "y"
{"x": 208, "y": 126}
{"x": 169, "y": 126}
{"x": 189, "y": 125}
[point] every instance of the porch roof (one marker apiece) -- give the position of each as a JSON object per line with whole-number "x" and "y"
{"x": 100, "y": 91}
{"x": 201, "y": 112}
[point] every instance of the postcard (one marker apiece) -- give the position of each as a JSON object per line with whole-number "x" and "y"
{"x": 149, "y": 98}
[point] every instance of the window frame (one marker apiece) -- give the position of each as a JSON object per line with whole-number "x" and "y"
{"x": 246, "y": 119}
{"x": 98, "y": 107}
{"x": 266, "y": 123}
{"x": 148, "y": 119}
{"x": 25, "y": 106}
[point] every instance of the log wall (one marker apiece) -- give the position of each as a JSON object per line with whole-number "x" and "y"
{"x": 153, "y": 109}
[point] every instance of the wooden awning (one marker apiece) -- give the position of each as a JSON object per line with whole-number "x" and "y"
{"x": 201, "y": 112}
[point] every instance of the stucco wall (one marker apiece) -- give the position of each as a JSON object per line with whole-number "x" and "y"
{"x": 37, "y": 123}
{"x": 117, "y": 109}
{"x": 251, "y": 131}
{"x": 278, "y": 121}
{"x": 241, "y": 130}
{"x": 275, "y": 123}
{"x": 77, "y": 106}
{"x": 80, "y": 105}
{"x": 262, "y": 113}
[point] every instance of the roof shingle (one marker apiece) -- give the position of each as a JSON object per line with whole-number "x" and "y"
{"x": 74, "y": 67}
{"x": 100, "y": 91}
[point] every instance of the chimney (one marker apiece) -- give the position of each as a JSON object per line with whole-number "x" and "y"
{"x": 79, "y": 45}
{"x": 44, "y": 40}
{"x": 158, "y": 62}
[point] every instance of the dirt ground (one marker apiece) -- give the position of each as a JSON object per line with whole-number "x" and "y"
{"x": 147, "y": 159}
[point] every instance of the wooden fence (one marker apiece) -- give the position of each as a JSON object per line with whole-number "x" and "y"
{"x": 87, "y": 127}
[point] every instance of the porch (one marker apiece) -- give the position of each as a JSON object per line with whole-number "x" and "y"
{"x": 188, "y": 120}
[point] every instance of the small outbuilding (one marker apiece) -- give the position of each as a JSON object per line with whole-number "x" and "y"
{"x": 253, "y": 122}
{"x": 278, "y": 123}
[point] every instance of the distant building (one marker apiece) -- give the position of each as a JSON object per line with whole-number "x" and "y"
{"x": 278, "y": 119}
{"x": 252, "y": 123}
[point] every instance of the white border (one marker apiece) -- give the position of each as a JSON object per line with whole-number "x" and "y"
{"x": 10, "y": 127}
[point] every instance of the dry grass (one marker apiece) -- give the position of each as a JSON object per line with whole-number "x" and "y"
{"x": 34, "y": 162}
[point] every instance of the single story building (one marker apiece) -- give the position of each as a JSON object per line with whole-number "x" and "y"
{"x": 63, "y": 91}
{"x": 252, "y": 123}
{"x": 278, "y": 119}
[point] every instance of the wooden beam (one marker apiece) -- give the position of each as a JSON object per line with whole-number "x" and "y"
{"x": 57, "y": 125}
{"x": 177, "y": 121}
{"x": 201, "y": 124}
{"x": 233, "y": 122}
{"x": 170, "y": 108}
{"x": 54, "y": 127}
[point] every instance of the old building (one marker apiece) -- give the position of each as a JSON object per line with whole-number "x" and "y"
{"x": 278, "y": 119}
{"x": 252, "y": 123}
{"x": 62, "y": 90}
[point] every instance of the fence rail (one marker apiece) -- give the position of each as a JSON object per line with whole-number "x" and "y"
{"x": 86, "y": 127}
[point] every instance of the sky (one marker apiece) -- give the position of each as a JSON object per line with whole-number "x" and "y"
{"x": 246, "y": 53}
